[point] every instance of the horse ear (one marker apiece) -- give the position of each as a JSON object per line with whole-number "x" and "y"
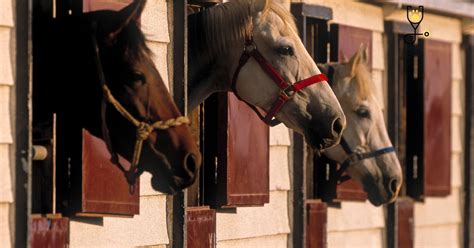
{"x": 344, "y": 57}
{"x": 354, "y": 62}
{"x": 259, "y": 5}
{"x": 364, "y": 53}
{"x": 120, "y": 20}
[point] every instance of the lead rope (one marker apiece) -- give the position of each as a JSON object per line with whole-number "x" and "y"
{"x": 143, "y": 129}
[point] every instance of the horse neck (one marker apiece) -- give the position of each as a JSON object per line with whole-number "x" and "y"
{"x": 209, "y": 71}
{"x": 76, "y": 86}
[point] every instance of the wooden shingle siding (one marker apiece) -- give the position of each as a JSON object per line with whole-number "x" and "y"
{"x": 352, "y": 13}
{"x": 271, "y": 241}
{"x": 356, "y": 238}
{"x": 147, "y": 228}
{"x": 6, "y": 189}
{"x": 250, "y": 222}
{"x": 7, "y": 39}
{"x": 345, "y": 219}
{"x": 5, "y": 232}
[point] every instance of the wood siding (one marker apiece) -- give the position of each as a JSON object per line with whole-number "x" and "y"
{"x": 7, "y": 58}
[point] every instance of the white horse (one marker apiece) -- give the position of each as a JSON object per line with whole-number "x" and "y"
{"x": 365, "y": 147}
{"x": 253, "y": 49}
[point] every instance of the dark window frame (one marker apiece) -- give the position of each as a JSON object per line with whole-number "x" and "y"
{"x": 468, "y": 221}
{"x": 301, "y": 156}
{"x": 23, "y": 145}
{"x": 395, "y": 71}
{"x": 325, "y": 170}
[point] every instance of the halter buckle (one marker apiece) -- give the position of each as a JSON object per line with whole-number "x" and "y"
{"x": 288, "y": 92}
{"x": 250, "y": 47}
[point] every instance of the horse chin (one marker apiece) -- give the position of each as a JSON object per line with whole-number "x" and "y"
{"x": 375, "y": 194}
{"x": 364, "y": 177}
{"x": 169, "y": 185}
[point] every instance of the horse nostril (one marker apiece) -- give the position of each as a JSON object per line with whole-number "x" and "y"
{"x": 393, "y": 186}
{"x": 190, "y": 164}
{"x": 337, "y": 126}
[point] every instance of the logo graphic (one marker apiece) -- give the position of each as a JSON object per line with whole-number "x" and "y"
{"x": 414, "y": 16}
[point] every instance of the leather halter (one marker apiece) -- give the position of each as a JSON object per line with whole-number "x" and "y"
{"x": 287, "y": 90}
{"x": 352, "y": 156}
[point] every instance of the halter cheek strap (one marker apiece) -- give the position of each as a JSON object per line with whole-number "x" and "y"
{"x": 287, "y": 90}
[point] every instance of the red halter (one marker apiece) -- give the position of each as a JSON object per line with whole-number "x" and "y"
{"x": 287, "y": 90}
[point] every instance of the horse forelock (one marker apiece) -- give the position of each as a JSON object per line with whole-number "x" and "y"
{"x": 363, "y": 82}
{"x": 361, "y": 87}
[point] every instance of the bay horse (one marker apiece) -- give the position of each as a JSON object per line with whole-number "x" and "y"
{"x": 252, "y": 48}
{"x": 88, "y": 51}
{"x": 365, "y": 150}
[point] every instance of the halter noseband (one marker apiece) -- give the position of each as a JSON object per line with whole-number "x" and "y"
{"x": 287, "y": 90}
{"x": 352, "y": 156}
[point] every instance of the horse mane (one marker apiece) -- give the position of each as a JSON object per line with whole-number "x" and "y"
{"x": 133, "y": 41}
{"x": 216, "y": 29}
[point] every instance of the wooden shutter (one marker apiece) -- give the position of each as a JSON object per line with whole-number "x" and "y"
{"x": 236, "y": 154}
{"x": 201, "y": 227}
{"x": 405, "y": 212}
{"x": 437, "y": 118}
{"x": 428, "y": 159}
{"x": 316, "y": 224}
{"x": 105, "y": 189}
{"x": 49, "y": 232}
{"x": 344, "y": 41}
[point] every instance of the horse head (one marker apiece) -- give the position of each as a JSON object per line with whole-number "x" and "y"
{"x": 218, "y": 38}
{"x": 377, "y": 169}
{"x": 171, "y": 154}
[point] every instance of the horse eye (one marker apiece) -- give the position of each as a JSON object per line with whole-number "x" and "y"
{"x": 139, "y": 77}
{"x": 363, "y": 112}
{"x": 285, "y": 51}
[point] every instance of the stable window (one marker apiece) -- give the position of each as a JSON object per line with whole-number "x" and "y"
{"x": 78, "y": 177}
{"x": 236, "y": 154}
{"x": 428, "y": 157}
{"x": 419, "y": 123}
{"x": 419, "y": 111}
{"x": 309, "y": 215}
{"x": 344, "y": 42}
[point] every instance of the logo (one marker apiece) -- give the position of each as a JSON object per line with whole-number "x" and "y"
{"x": 414, "y": 16}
